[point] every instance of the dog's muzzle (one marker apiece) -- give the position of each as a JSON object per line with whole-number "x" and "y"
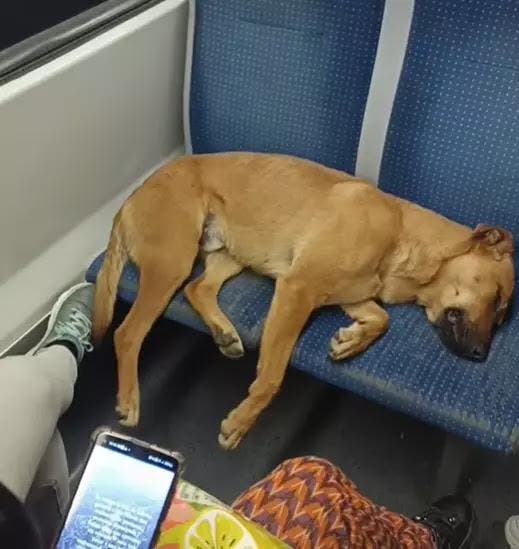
{"x": 460, "y": 335}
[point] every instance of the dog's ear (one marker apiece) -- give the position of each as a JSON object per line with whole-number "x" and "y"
{"x": 503, "y": 298}
{"x": 501, "y": 308}
{"x": 496, "y": 240}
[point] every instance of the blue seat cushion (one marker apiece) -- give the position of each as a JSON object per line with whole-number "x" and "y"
{"x": 408, "y": 369}
{"x": 288, "y": 77}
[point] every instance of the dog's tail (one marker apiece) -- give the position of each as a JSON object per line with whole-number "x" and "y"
{"x": 108, "y": 281}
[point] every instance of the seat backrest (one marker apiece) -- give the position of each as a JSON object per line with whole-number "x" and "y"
{"x": 294, "y": 77}
{"x": 453, "y": 138}
{"x": 287, "y": 76}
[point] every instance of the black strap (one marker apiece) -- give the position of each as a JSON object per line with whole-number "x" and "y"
{"x": 16, "y": 526}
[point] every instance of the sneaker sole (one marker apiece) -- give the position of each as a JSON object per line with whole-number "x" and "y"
{"x": 512, "y": 537}
{"x": 54, "y": 313}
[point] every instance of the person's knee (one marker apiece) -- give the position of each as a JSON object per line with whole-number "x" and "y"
{"x": 44, "y": 389}
{"x": 47, "y": 378}
{"x": 309, "y": 463}
{"x": 319, "y": 469}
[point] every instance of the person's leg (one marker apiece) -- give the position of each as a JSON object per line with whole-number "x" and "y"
{"x": 52, "y": 476}
{"x": 48, "y": 496}
{"x": 35, "y": 389}
{"x": 34, "y": 392}
{"x": 310, "y": 504}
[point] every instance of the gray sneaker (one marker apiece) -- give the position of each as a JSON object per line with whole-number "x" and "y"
{"x": 512, "y": 532}
{"x": 70, "y": 320}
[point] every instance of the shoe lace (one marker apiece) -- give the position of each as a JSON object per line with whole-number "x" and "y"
{"x": 78, "y": 325}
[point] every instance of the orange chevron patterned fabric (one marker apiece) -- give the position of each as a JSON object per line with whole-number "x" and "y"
{"x": 310, "y": 504}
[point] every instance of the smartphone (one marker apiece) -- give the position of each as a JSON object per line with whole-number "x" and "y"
{"x": 122, "y": 496}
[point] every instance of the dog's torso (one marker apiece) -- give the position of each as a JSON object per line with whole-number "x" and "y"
{"x": 277, "y": 214}
{"x": 254, "y": 210}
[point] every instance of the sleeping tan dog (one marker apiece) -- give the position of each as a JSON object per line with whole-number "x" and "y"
{"x": 325, "y": 236}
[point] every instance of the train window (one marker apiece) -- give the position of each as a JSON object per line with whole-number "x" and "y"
{"x": 32, "y": 33}
{"x": 27, "y": 18}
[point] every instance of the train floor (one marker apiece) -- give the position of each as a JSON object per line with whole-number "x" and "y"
{"x": 187, "y": 387}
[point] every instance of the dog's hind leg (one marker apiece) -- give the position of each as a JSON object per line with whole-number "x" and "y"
{"x": 291, "y": 306}
{"x": 202, "y": 293}
{"x": 370, "y": 321}
{"x": 160, "y": 277}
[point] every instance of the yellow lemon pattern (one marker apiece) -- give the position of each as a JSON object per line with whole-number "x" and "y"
{"x": 218, "y": 529}
{"x": 198, "y": 521}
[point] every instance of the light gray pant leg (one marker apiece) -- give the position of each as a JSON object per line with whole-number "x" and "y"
{"x": 34, "y": 392}
{"x": 53, "y": 474}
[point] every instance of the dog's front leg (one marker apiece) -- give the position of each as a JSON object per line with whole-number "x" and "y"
{"x": 370, "y": 322}
{"x": 290, "y": 309}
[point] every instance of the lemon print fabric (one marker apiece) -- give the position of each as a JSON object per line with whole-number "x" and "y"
{"x": 217, "y": 529}
{"x": 196, "y": 525}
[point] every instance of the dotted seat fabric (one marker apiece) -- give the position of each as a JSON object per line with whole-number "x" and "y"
{"x": 453, "y": 138}
{"x": 289, "y": 77}
{"x": 452, "y": 145}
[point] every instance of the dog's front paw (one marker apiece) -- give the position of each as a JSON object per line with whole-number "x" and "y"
{"x": 229, "y": 344}
{"x": 346, "y": 343}
{"x": 128, "y": 409}
{"x": 231, "y": 432}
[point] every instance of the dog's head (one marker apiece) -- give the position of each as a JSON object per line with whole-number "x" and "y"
{"x": 471, "y": 292}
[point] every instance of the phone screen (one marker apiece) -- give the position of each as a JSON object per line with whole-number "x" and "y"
{"x": 120, "y": 498}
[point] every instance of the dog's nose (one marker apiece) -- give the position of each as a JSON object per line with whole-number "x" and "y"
{"x": 478, "y": 352}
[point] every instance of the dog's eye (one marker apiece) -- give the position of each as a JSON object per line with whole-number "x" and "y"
{"x": 453, "y": 315}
